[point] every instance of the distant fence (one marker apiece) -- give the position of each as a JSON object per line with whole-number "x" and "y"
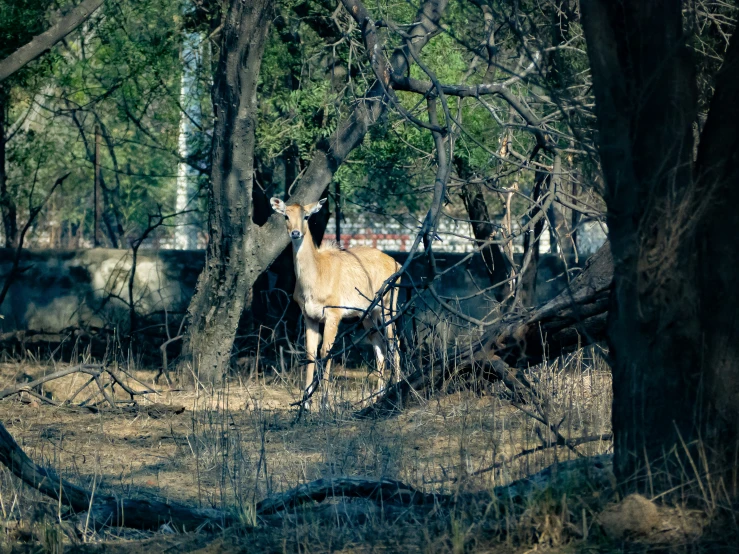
{"x": 398, "y": 235}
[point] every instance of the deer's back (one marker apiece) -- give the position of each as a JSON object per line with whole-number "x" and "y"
{"x": 347, "y": 278}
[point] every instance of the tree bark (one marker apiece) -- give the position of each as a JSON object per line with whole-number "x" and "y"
{"x": 717, "y": 176}
{"x": 232, "y": 262}
{"x": 672, "y": 327}
{"x": 7, "y": 203}
{"x": 43, "y": 42}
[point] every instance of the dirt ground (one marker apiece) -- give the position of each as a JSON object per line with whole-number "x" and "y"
{"x": 233, "y": 446}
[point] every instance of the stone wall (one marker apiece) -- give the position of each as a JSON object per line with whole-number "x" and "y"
{"x": 89, "y": 288}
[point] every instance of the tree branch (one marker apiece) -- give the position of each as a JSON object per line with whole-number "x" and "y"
{"x": 43, "y": 42}
{"x": 332, "y": 152}
{"x": 409, "y": 84}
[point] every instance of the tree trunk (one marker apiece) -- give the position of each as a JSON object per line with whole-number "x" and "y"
{"x": 530, "y": 266}
{"x": 492, "y": 255}
{"x": 7, "y": 204}
{"x": 232, "y": 264}
{"x": 717, "y": 176}
{"x": 557, "y": 68}
{"x": 672, "y": 324}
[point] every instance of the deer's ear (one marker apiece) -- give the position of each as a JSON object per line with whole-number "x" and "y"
{"x": 314, "y": 208}
{"x": 277, "y": 205}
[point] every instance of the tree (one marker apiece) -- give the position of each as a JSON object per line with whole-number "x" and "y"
{"x": 15, "y": 32}
{"x": 672, "y": 325}
{"x": 116, "y": 73}
{"x": 239, "y": 250}
{"x": 233, "y": 254}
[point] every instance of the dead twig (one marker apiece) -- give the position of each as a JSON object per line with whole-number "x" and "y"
{"x": 33, "y": 214}
{"x": 95, "y": 371}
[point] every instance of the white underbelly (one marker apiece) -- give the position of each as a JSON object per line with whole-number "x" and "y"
{"x": 314, "y": 310}
{"x": 318, "y": 310}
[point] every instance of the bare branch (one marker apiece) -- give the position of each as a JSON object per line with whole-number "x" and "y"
{"x": 34, "y": 211}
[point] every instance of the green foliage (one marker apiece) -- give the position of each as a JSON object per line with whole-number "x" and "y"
{"x": 119, "y": 72}
{"x": 20, "y": 21}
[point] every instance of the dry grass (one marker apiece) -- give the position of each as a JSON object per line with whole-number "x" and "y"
{"x": 236, "y": 444}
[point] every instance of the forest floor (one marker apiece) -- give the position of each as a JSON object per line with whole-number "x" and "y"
{"x": 233, "y": 446}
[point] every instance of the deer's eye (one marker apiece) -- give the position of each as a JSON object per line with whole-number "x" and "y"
{"x": 307, "y": 217}
{"x": 286, "y": 218}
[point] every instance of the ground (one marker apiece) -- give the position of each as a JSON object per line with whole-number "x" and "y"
{"x": 233, "y": 446}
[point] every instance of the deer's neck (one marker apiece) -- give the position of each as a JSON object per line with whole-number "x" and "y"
{"x": 305, "y": 259}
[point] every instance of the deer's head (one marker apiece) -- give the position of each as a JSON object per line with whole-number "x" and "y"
{"x": 296, "y": 216}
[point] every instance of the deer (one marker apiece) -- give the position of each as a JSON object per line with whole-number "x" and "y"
{"x": 333, "y": 284}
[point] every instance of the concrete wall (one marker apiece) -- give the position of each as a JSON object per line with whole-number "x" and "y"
{"x": 59, "y": 289}
{"x": 89, "y": 288}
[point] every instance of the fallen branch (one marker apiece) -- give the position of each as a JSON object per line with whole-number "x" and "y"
{"x": 386, "y": 491}
{"x": 105, "y": 510}
{"x": 95, "y": 372}
{"x": 573, "y": 319}
{"x": 137, "y": 513}
{"x": 595, "y": 471}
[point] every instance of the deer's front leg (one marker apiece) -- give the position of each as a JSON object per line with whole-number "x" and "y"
{"x": 312, "y": 338}
{"x": 331, "y": 327}
{"x": 333, "y": 318}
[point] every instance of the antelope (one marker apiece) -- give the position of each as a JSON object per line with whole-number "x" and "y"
{"x": 334, "y": 284}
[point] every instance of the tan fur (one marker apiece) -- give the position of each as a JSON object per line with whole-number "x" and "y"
{"x": 335, "y": 284}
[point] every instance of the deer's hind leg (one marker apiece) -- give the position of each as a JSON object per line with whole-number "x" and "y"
{"x": 393, "y": 354}
{"x": 380, "y": 348}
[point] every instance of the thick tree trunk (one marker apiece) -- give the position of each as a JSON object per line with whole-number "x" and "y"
{"x": 232, "y": 265}
{"x": 717, "y": 176}
{"x": 7, "y": 204}
{"x": 672, "y": 324}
